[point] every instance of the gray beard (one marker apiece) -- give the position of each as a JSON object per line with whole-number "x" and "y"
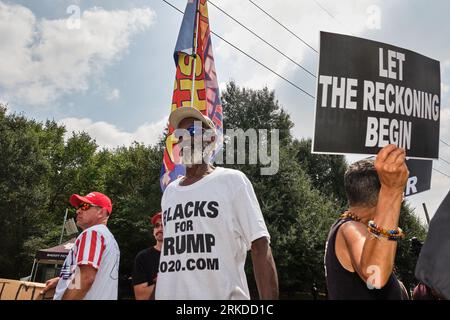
{"x": 192, "y": 157}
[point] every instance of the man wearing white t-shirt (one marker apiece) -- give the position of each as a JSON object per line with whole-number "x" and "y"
{"x": 211, "y": 219}
{"x": 91, "y": 268}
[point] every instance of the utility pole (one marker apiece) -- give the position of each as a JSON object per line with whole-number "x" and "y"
{"x": 426, "y": 214}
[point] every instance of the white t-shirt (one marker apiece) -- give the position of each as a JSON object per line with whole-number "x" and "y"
{"x": 97, "y": 247}
{"x": 208, "y": 228}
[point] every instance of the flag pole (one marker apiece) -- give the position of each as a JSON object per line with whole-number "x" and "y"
{"x": 61, "y": 237}
{"x": 426, "y": 213}
{"x": 194, "y": 53}
{"x": 64, "y": 224}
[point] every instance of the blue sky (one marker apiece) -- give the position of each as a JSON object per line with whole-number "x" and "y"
{"x": 113, "y": 76}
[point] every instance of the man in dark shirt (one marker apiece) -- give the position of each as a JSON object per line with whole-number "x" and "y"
{"x": 146, "y": 264}
{"x": 359, "y": 259}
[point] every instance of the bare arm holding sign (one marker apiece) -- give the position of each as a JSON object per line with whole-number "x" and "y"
{"x": 373, "y": 258}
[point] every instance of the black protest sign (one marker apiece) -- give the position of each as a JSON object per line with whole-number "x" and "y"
{"x": 370, "y": 94}
{"x": 433, "y": 264}
{"x": 419, "y": 176}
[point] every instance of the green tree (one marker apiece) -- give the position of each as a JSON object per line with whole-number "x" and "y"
{"x": 77, "y": 167}
{"x": 256, "y": 109}
{"x": 326, "y": 172}
{"x": 24, "y": 186}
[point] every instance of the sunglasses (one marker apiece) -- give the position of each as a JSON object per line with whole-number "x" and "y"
{"x": 86, "y": 206}
{"x": 194, "y": 130}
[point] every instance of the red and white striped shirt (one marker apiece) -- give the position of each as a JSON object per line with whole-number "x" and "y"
{"x": 90, "y": 249}
{"x": 96, "y": 247}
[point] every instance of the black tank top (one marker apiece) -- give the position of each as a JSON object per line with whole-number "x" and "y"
{"x": 345, "y": 285}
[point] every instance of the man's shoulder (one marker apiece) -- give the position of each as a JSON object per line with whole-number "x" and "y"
{"x": 147, "y": 253}
{"x": 154, "y": 251}
{"x": 85, "y": 232}
{"x": 143, "y": 253}
{"x": 228, "y": 171}
{"x": 352, "y": 230}
{"x": 172, "y": 185}
{"x": 231, "y": 174}
{"x": 232, "y": 180}
{"x": 101, "y": 231}
{"x": 99, "y": 228}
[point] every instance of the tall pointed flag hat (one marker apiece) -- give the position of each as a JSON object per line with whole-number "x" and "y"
{"x": 193, "y": 51}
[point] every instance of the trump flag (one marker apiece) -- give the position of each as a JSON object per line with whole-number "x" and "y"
{"x": 195, "y": 83}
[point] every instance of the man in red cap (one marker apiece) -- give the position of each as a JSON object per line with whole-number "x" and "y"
{"x": 146, "y": 264}
{"x": 91, "y": 269}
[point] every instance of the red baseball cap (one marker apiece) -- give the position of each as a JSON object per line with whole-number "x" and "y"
{"x": 94, "y": 198}
{"x": 155, "y": 218}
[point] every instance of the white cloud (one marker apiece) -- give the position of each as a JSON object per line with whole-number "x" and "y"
{"x": 444, "y": 87}
{"x": 40, "y": 60}
{"x": 445, "y": 124}
{"x": 445, "y": 64}
{"x": 222, "y": 86}
{"x": 113, "y": 95}
{"x": 109, "y": 136}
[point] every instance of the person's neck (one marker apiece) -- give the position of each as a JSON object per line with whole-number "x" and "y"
{"x": 364, "y": 213}
{"x": 158, "y": 245}
{"x": 104, "y": 222}
{"x": 196, "y": 172}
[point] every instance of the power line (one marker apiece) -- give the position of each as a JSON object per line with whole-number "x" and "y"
{"x": 331, "y": 15}
{"x": 263, "y": 65}
{"x": 441, "y": 173}
{"x": 328, "y": 12}
{"x": 444, "y": 160}
{"x": 256, "y": 35}
{"x": 249, "y": 56}
{"x": 286, "y": 28}
{"x": 448, "y": 145}
{"x": 167, "y": 2}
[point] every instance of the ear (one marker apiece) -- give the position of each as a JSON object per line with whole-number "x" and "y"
{"x": 104, "y": 213}
{"x": 210, "y": 139}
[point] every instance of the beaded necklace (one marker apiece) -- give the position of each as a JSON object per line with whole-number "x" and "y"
{"x": 376, "y": 231}
{"x": 350, "y": 215}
